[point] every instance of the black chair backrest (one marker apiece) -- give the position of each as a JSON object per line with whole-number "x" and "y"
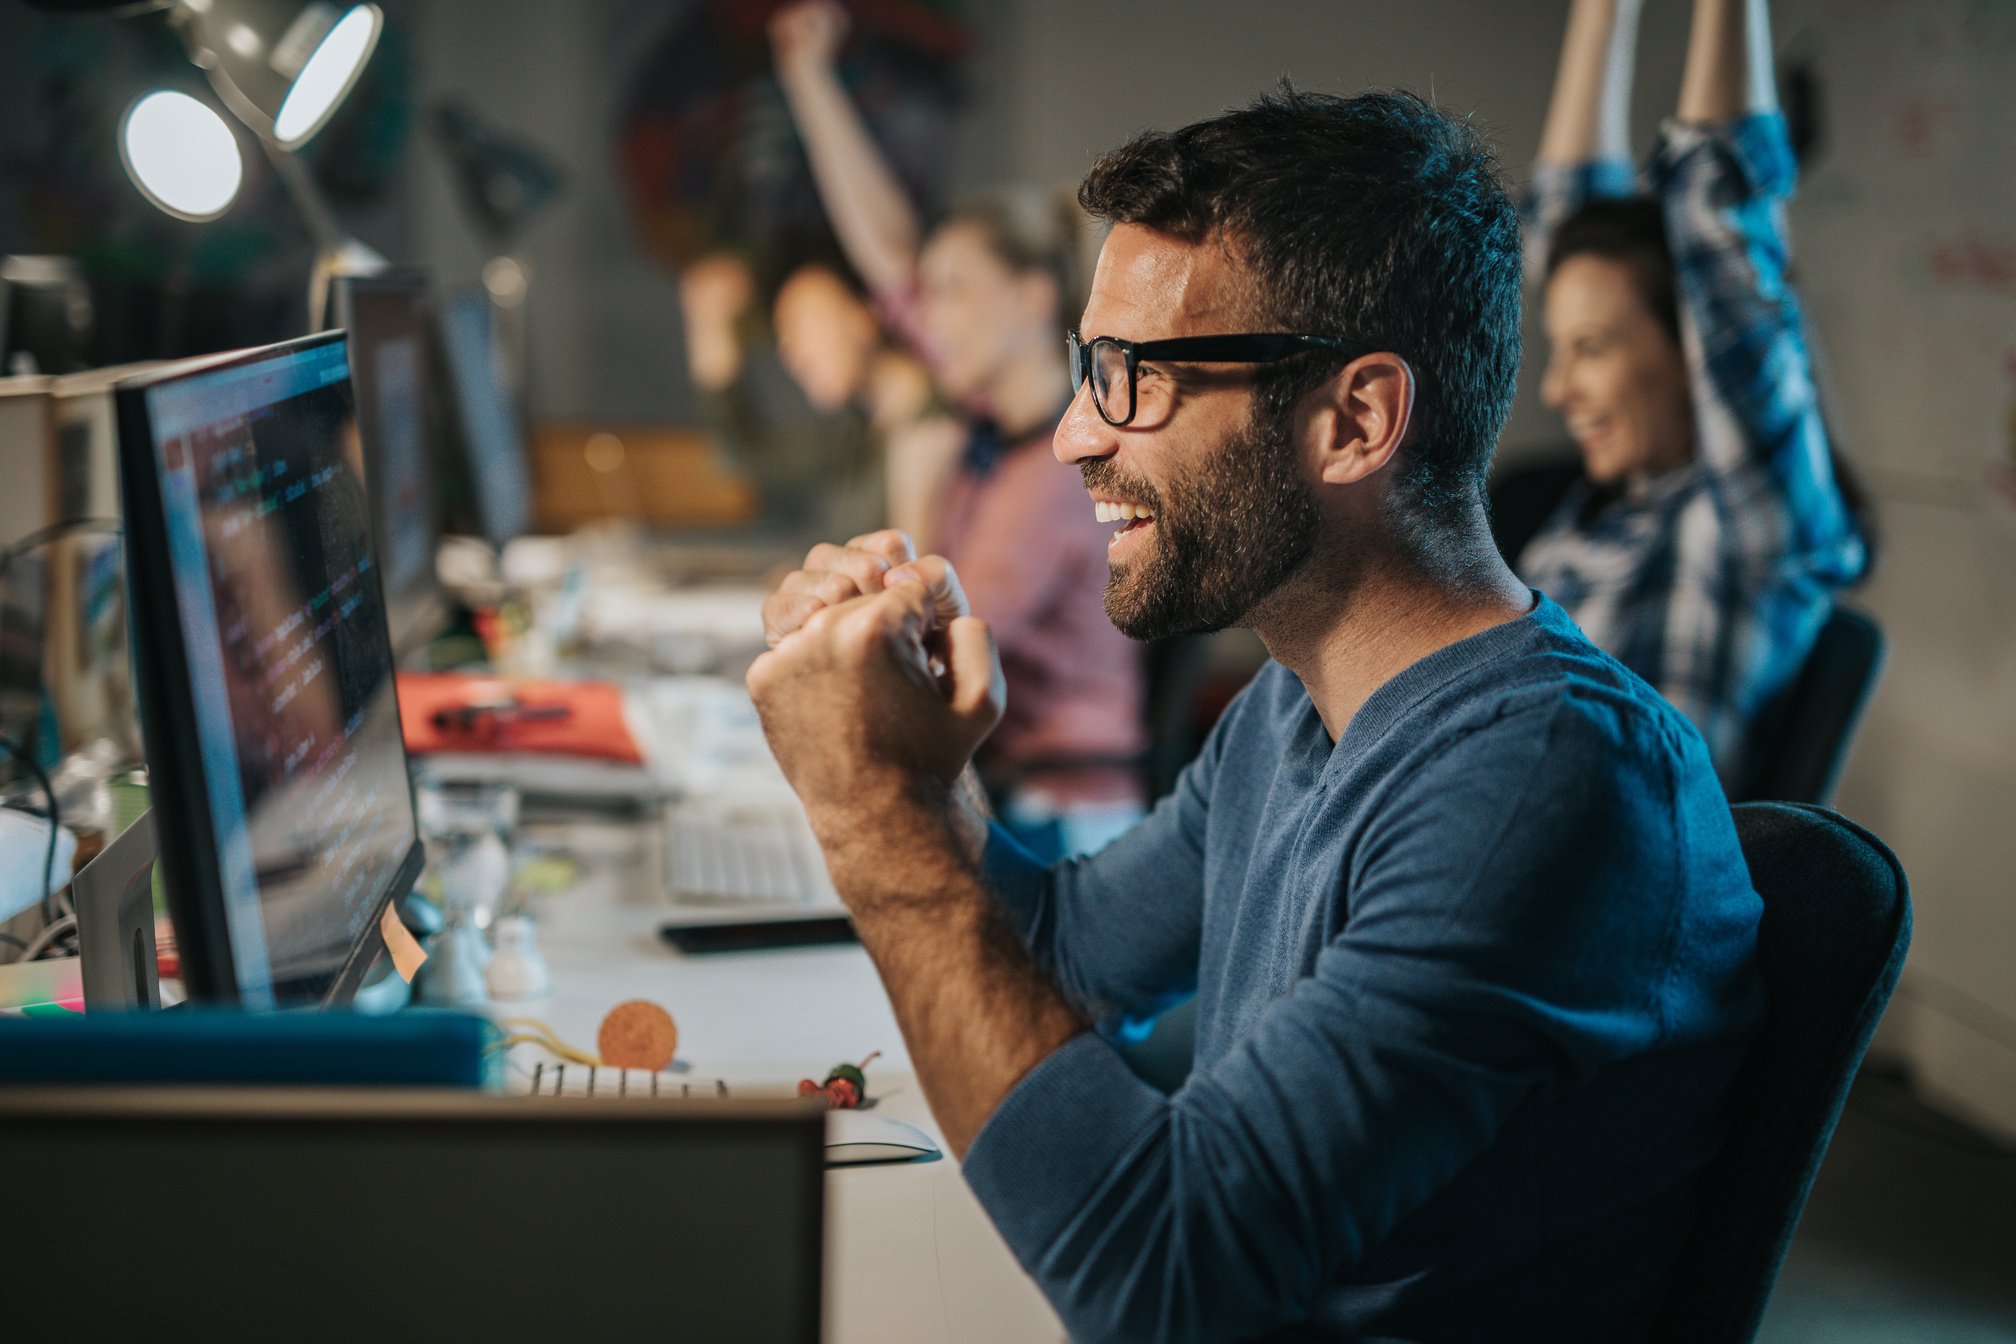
{"x": 1174, "y": 670}
{"x": 1523, "y": 497}
{"x": 1803, "y": 740}
{"x": 1836, "y": 923}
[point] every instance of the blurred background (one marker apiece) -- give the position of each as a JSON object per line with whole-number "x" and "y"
{"x": 578, "y": 156}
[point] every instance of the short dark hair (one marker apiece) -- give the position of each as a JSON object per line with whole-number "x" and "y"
{"x": 1376, "y": 218}
{"x": 1630, "y": 230}
{"x": 1031, "y": 230}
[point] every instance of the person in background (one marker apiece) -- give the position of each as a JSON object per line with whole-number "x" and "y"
{"x": 878, "y": 447}
{"x": 1705, "y": 544}
{"x": 982, "y": 298}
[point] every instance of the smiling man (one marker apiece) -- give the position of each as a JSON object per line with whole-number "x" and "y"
{"x": 1458, "y": 895}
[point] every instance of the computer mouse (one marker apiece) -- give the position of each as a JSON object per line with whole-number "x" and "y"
{"x": 864, "y": 1136}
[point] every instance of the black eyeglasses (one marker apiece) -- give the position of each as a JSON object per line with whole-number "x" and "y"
{"x": 1111, "y": 363}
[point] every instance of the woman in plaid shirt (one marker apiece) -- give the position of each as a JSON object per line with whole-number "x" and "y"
{"x": 1706, "y": 541}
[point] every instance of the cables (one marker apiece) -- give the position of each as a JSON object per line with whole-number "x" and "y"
{"x": 46, "y": 939}
{"x": 42, "y": 536}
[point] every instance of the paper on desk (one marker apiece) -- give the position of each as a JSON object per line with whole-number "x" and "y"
{"x": 731, "y": 616}
{"x": 24, "y": 848}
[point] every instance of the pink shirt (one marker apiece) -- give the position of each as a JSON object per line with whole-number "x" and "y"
{"x": 1032, "y": 559}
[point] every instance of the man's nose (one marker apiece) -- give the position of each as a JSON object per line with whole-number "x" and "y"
{"x": 1083, "y": 434}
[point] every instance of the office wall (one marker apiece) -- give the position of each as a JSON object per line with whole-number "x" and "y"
{"x": 604, "y": 318}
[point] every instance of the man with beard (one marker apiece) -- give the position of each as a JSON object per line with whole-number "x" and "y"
{"x": 1459, "y": 896}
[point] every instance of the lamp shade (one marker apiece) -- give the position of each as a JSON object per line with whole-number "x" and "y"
{"x": 281, "y": 65}
{"x": 181, "y": 154}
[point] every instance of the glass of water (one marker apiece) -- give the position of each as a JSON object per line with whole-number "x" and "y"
{"x": 468, "y": 828}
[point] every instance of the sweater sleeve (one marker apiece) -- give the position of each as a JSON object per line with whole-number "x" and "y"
{"x": 1482, "y": 961}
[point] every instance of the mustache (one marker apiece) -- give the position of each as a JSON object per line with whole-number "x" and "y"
{"x": 1103, "y": 474}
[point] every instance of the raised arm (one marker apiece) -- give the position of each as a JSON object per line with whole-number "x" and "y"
{"x": 875, "y": 220}
{"x": 1585, "y": 145}
{"x": 1756, "y": 553}
{"x": 1728, "y": 63}
{"x": 1589, "y": 116}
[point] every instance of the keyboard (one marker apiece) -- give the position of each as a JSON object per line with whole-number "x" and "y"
{"x": 744, "y": 856}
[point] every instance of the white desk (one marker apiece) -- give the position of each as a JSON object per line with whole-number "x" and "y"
{"x": 910, "y": 1256}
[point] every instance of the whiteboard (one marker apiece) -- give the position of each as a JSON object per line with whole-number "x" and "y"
{"x": 1905, "y": 235}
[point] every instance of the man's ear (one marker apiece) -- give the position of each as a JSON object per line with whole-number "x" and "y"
{"x": 1360, "y": 417}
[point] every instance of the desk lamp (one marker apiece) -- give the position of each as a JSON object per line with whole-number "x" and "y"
{"x": 181, "y": 155}
{"x": 281, "y": 66}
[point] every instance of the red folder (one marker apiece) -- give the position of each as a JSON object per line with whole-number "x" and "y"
{"x": 461, "y": 712}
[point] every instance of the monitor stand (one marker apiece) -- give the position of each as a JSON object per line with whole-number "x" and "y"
{"x": 114, "y": 894}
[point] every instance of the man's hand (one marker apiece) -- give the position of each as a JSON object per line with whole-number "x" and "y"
{"x": 874, "y": 732}
{"x": 807, "y": 37}
{"x": 832, "y": 575}
{"x": 877, "y": 682}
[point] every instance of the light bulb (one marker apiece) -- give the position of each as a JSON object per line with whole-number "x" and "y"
{"x": 182, "y": 155}
{"x": 327, "y": 75}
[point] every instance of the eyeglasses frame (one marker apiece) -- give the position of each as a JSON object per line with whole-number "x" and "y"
{"x": 1253, "y": 347}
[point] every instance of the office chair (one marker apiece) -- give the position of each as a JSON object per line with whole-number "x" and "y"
{"x": 1172, "y": 671}
{"x": 1836, "y": 923}
{"x": 1806, "y": 735}
{"x": 1524, "y": 497}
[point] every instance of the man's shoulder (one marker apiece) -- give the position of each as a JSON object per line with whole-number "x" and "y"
{"x": 1552, "y": 704}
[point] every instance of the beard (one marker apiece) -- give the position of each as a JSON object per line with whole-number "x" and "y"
{"x": 1226, "y": 535}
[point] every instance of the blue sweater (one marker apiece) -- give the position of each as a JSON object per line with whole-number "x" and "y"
{"x": 1472, "y": 983}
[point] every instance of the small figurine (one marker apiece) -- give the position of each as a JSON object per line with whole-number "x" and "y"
{"x": 846, "y": 1086}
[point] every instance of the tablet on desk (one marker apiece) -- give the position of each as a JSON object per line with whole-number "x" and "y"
{"x": 759, "y": 935}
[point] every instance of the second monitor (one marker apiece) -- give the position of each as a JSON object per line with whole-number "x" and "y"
{"x": 279, "y": 785}
{"x": 389, "y": 319}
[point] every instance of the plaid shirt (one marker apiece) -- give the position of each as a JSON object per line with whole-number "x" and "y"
{"x": 1710, "y": 581}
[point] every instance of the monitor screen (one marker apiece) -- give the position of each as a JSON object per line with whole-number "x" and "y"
{"x": 500, "y": 478}
{"x": 279, "y": 781}
{"x": 387, "y": 320}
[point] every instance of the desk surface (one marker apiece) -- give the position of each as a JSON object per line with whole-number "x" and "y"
{"x": 910, "y": 1256}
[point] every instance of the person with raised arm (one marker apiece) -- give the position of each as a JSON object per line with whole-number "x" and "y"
{"x": 1710, "y": 533}
{"x": 981, "y": 296}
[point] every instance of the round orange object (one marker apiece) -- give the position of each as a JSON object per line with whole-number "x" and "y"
{"x": 637, "y": 1035}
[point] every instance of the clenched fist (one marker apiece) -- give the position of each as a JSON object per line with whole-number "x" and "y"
{"x": 877, "y": 682}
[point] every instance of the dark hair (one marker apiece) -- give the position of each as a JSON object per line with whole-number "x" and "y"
{"x": 1031, "y": 230}
{"x": 1630, "y": 230}
{"x": 1376, "y": 218}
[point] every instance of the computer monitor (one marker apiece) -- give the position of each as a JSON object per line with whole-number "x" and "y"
{"x": 411, "y": 1214}
{"x": 389, "y": 321}
{"x": 282, "y": 804}
{"x": 45, "y": 316}
{"x": 493, "y": 438}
